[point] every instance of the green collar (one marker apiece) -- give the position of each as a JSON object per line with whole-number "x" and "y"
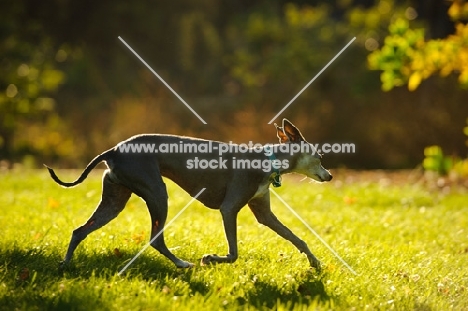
{"x": 275, "y": 176}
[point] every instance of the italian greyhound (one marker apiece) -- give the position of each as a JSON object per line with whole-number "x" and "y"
{"x": 227, "y": 189}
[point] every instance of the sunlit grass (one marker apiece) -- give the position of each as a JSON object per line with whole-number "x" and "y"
{"x": 409, "y": 246}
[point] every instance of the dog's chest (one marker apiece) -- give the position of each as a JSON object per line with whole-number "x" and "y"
{"x": 261, "y": 189}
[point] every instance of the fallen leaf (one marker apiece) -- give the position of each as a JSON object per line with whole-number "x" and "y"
{"x": 23, "y": 275}
{"x": 53, "y": 203}
{"x": 117, "y": 252}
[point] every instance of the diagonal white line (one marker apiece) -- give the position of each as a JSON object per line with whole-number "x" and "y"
{"x": 313, "y": 231}
{"x": 162, "y": 80}
{"x": 313, "y": 79}
{"x": 165, "y": 227}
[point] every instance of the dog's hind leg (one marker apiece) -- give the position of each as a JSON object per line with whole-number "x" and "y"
{"x": 156, "y": 201}
{"x": 113, "y": 200}
{"x": 260, "y": 207}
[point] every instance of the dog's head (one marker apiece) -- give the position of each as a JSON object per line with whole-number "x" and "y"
{"x": 308, "y": 162}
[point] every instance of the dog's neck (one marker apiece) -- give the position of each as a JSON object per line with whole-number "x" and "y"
{"x": 282, "y": 155}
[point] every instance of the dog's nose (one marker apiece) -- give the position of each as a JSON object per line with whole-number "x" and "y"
{"x": 331, "y": 177}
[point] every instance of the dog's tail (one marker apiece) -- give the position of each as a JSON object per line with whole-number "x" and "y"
{"x": 103, "y": 156}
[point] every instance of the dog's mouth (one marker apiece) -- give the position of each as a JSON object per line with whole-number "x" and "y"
{"x": 319, "y": 178}
{"x": 316, "y": 178}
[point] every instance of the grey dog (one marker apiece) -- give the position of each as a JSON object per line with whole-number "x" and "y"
{"x": 227, "y": 189}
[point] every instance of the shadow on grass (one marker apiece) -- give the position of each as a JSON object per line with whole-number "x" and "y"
{"x": 35, "y": 300}
{"x": 269, "y": 295}
{"x": 21, "y": 269}
{"x": 33, "y": 277}
{"x": 46, "y": 262}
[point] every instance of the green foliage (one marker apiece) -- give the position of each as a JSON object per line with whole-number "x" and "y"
{"x": 393, "y": 58}
{"x": 29, "y": 78}
{"x": 458, "y": 10}
{"x": 275, "y": 47}
{"x": 407, "y": 243}
{"x": 436, "y": 161}
{"x": 70, "y": 89}
{"x": 407, "y": 58}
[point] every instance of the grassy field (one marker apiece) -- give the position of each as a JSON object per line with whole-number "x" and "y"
{"x": 408, "y": 244}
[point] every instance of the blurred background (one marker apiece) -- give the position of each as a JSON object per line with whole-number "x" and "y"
{"x": 69, "y": 89}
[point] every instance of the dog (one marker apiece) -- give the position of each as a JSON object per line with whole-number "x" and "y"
{"x": 228, "y": 188}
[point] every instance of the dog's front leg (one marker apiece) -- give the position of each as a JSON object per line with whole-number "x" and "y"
{"x": 260, "y": 207}
{"x": 229, "y": 215}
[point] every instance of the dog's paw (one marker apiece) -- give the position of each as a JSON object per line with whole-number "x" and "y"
{"x": 208, "y": 259}
{"x": 62, "y": 264}
{"x": 184, "y": 264}
{"x": 316, "y": 264}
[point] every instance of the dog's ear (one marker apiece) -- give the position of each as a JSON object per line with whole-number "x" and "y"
{"x": 281, "y": 135}
{"x": 288, "y": 132}
{"x": 293, "y": 134}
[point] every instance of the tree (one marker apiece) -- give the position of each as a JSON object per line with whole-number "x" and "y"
{"x": 408, "y": 58}
{"x": 28, "y": 78}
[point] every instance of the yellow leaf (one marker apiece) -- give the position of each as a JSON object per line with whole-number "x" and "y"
{"x": 463, "y": 78}
{"x": 53, "y": 203}
{"x": 414, "y": 81}
{"x": 446, "y": 70}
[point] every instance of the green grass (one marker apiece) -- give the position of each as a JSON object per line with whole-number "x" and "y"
{"x": 409, "y": 246}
